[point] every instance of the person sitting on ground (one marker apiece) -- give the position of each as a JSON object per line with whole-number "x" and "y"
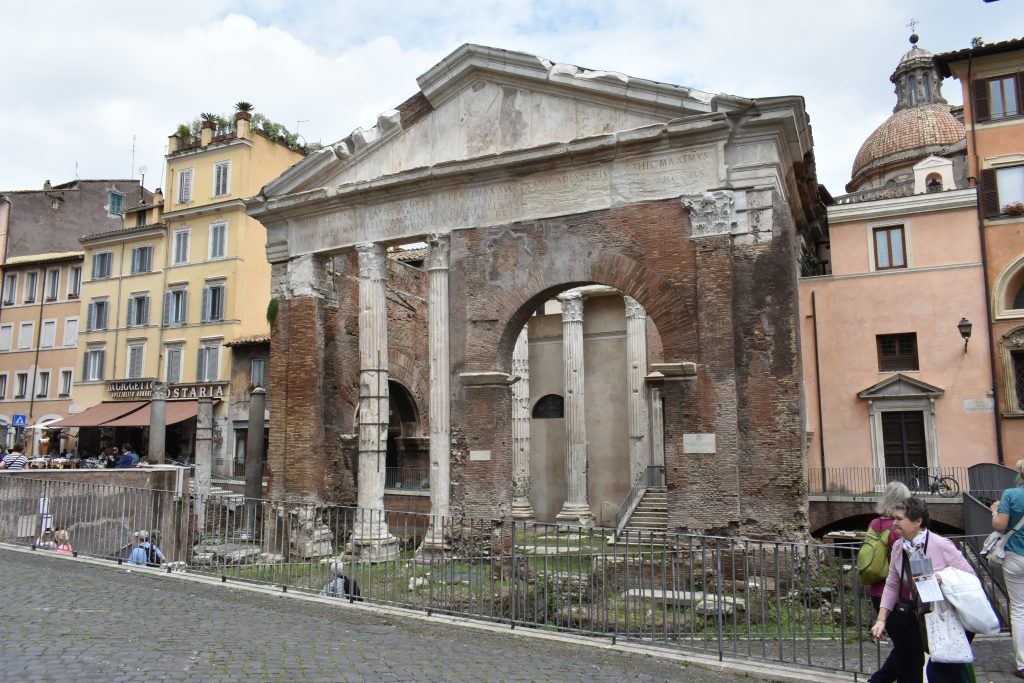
{"x": 63, "y": 540}
{"x": 45, "y": 541}
{"x": 145, "y": 553}
{"x": 129, "y": 459}
{"x": 15, "y": 460}
{"x": 341, "y": 586}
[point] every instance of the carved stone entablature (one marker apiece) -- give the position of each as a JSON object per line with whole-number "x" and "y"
{"x": 1013, "y": 339}
{"x": 715, "y": 213}
{"x": 303, "y": 276}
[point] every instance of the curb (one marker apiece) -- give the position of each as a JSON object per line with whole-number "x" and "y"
{"x": 767, "y": 671}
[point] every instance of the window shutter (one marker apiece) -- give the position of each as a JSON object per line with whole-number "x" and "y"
{"x": 204, "y": 313}
{"x": 101, "y": 315}
{"x": 96, "y": 265}
{"x": 90, "y": 317}
{"x": 221, "y": 234}
{"x": 981, "y": 108}
{"x": 989, "y": 193}
{"x": 212, "y": 363}
{"x": 200, "y": 365}
{"x": 167, "y": 308}
{"x": 184, "y": 307}
{"x": 131, "y": 312}
{"x": 85, "y": 365}
{"x": 102, "y": 357}
{"x": 144, "y": 314}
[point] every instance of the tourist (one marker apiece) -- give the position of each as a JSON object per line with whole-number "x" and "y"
{"x": 895, "y": 494}
{"x": 906, "y": 630}
{"x": 341, "y": 586}
{"x": 63, "y": 542}
{"x": 15, "y": 460}
{"x": 145, "y": 554}
{"x": 111, "y": 456}
{"x": 1006, "y": 513}
{"x": 46, "y": 541}
{"x": 129, "y": 459}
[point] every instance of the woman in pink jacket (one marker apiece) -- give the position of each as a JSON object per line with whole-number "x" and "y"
{"x": 912, "y": 523}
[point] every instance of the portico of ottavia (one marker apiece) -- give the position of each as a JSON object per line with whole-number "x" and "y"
{"x": 608, "y": 295}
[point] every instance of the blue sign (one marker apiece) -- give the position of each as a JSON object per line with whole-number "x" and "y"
{"x": 19, "y": 421}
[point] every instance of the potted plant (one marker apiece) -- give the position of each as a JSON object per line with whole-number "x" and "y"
{"x": 243, "y": 110}
{"x": 1014, "y": 209}
{"x": 209, "y": 120}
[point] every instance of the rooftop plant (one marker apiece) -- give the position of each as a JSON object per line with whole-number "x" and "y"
{"x": 259, "y": 123}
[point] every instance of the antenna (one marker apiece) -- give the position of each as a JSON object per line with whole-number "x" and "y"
{"x": 76, "y": 170}
{"x": 132, "y": 175}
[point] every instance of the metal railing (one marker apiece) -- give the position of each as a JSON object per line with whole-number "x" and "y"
{"x": 871, "y": 480}
{"x": 790, "y": 602}
{"x": 407, "y": 478}
{"x": 987, "y": 481}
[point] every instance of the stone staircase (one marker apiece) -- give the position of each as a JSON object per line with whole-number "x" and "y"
{"x": 649, "y": 520}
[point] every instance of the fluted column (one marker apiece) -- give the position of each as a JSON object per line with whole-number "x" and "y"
{"x": 371, "y": 541}
{"x": 636, "y": 358}
{"x": 521, "y": 508}
{"x": 576, "y": 509}
{"x": 657, "y": 429}
{"x": 440, "y": 372}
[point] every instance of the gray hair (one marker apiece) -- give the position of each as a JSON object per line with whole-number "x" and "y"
{"x": 1020, "y": 465}
{"x": 895, "y": 494}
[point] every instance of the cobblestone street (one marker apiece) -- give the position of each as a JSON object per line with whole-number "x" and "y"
{"x": 66, "y": 620}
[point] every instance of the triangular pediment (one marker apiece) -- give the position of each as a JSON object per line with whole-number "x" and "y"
{"x": 480, "y": 102}
{"x": 901, "y": 386}
{"x": 931, "y": 162}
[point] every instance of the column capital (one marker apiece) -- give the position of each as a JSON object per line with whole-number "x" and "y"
{"x": 161, "y": 392}
{"x": 438, "y": 251}
{"x": 572, "y": 306}
{"x": 373, "y": 260}
{"x": 634, "y": 309}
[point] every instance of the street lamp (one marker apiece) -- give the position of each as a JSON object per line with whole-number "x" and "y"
{"x": 965, "y": 331}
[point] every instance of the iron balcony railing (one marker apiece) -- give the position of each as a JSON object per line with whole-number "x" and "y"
{"x": 790, "y": 602}
{"x": 407, "y": 478}
{"x": 870, "y": 480}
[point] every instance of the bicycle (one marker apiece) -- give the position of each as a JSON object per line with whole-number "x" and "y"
{"x": 944, "y": 486}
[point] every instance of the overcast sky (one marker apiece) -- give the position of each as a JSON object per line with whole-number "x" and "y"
{"x": 82, "y": 80}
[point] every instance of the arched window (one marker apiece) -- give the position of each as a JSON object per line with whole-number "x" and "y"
{"x": 1018, "y": 298}
{"x": 1008, "y": 292}
{"x": 548, "y": 407}
{"x": 934, "y": 183}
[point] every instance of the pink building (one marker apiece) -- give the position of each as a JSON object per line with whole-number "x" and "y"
{"x": 890, "y": 382}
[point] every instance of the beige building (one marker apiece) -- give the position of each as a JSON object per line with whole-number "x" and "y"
{"x": 165, "y": 296}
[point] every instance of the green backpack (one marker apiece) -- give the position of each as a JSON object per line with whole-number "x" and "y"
{"x": 873, "y": 557}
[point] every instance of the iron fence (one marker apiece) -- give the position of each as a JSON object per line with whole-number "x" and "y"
{"x": 789, "y": 602}
{"x": 870, "y": 481}
{"x": 407, "y": 478}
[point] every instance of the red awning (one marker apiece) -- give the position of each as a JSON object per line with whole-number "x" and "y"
{"x": 177, "y": 411}
{"x": 100, "y": 414}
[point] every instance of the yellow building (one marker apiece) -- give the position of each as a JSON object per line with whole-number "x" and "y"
{"x": 164, "y": 296}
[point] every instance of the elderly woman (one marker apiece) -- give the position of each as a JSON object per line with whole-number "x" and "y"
{"x": 895, "y": 494}
{"x": 911, "y": 520}
{"x": 1006, "y": 513}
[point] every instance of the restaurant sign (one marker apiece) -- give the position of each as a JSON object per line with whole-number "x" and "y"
{"x": 135, "y": 389}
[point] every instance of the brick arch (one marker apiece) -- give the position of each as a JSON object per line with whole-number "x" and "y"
{"x": 672, "y": 314}
{"x": 402, "y": 368}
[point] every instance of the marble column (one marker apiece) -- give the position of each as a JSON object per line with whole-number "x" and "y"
{"x": 203, "y": 460}
{"x": 521, "y": 508}
{"x": 636, "y": 359}
{"x": 371, "y": 541}
{"x": 440, "y": 409}
{"x": 576, "y": 509}
{"x": 158, "y": 423}
{"x": 657, "y": 430}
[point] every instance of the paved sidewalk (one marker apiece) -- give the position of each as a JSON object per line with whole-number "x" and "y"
{"x": 70, "y": 620}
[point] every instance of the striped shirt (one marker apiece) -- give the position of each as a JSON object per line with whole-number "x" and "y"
{"x": 14, "y": 461}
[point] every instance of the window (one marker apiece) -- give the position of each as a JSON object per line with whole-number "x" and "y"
{"x": 138, "y": 310}
{"x": 185, "y": 186}
{"x": 258, "y": 372}
{"x": 142, "y": 259}
{"x": 43, "y": 384}
{"x": 890, "y": 248}
{"x": 136, "y": 353}
{"x": 181, "y": 240}
{"x": 912, "y": 90}
{"x": 21, "y": 385}
{"x": 207, "y": 363}
{"x": 218, "y": 239}
{"x": 176, "y": 307}
{"x": 70, "y": 331}
{"x": 897, "y": 352}
{"x": 101, "y": 265}
{"x": 1001, "y": 187}
{"x": 48, "y": 334}
{"x": 6, "y": 334}
{"x": 74, "y": 282}
{"x": 25, "y": 333}
{"x": 10, "y": 288}
{"x": 549, "y": 407}
{"x": 65, "y": 383}
{"x": 31, "y": 284}
{"x": 1018, "y": 298}
{"x": 97, "y": 315}
{"x": 52, "y": 285}
{"x": 1017, "y": 360}
{"x": 213, "y": 303}
{"x": 997, "y": 98}
{"x": 115, "y": 203}
{"x": 221, "y": 178}
{"x": 173, "y": 364}
{"x": 3, "y": 386}
{"x": 92, "y": 367}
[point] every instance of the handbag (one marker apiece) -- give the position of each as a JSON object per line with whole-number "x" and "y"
{"x": 965, "y": 595}
{"x": 947, "y": 641}
{"x": 993, "y": 550}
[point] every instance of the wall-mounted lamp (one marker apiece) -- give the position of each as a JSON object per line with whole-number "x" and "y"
{"x": 965, "y": 331}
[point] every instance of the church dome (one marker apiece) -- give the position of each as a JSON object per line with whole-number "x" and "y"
{"x": 908, "y": 136}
